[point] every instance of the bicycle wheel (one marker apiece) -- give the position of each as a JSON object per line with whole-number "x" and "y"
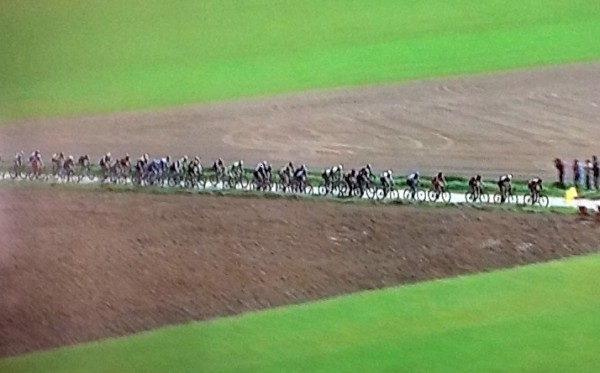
{"x": 432, "y": 195}
{"x": 543, "y": 200}
{"x": 322, "y": 190}
{"x": 421, "y": 195}
{"x": 498, "y": 197}
{"x": 213, "y": 180}
{"x": 484, "y": 197}
{"x": 527, "y": 199}
{"x": 308, "y": 189}
{"x": 407, "y": 194}
{"x": 371, "y": 192}
{"x": 469, "y": 197}
{"x": 244, "y": 181}
{"x": 394, "y": 194}
{"x": 200, "y": 181}
{"x": 380, "y": 194}
{"x": 513, "y": 198}
{"x": 446, "y": 196}
{"x": 343, "y": 191}
{"x": 14, "y": 174}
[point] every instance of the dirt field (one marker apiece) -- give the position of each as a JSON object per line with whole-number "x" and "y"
{"x": 77, "y": 266}
{"x": 516, "y": 121}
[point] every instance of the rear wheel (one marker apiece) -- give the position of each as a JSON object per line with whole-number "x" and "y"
{"x": 470, "y": 197}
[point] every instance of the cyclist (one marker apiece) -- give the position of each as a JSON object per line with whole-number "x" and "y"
{"x": 69, "y": 167}
{"x": 363, "y": 179}
{"x": 412, "y": 181}
{"x": 350, "y": 180}
{"x": 366, "y": 172}
{"x": 105, "y": 164}
{"x": 337, "y": 173}
{"x": 124, "y": 164}
{"x": 219, "y": 168}
{"x": 18, "y": 161}
{"x": 535, "y": 188}
{"x": 194, "y": 169}
{"x": 387, "y": 180}
{"x": 438, "y": 182}
{"x": 285, "y": 176}
{"x": 36, "y": 156}
{"x": 475, "y": 185}
{"x": 237, "y": 169}
{"x": 328, "y": 175}
{"x": 300, "y": 175}
{"x": 505, "y": 185}
{"x": 262, "y": 173}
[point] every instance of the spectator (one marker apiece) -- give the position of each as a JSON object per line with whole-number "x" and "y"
{"x": 595, "y": 171}
{"x": 560, "y": 168}
{"x": 577, "y": 173}
{"x": 588, "y": 174}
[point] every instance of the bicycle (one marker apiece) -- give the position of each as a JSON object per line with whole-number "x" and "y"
{"x": 17, "y": 172}
{"x": 477, "y": 195}
{"x": 237, "y": 180}
{"x": 261, "y": 185}
{"x": 505, "y": 197}
{"x": 434, "y": 194}
{"x": 414, "y": 195}
{"x": 387, "y": 191}
{"x": 536, "y": 198}
{"x": 218, "y": 176}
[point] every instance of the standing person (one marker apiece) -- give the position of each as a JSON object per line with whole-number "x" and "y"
{"x": 560, "y": 168}
{"x": 576, "y": 174}
{"x": 595, "y": 171}
{"x": 588, "y": 174}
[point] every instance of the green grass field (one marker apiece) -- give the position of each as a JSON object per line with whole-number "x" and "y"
{"x": 539, "y": 318}
{"x": 63, "y": 57}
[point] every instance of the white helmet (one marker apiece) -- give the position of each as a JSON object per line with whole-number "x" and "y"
{"x": 71, "y": 157}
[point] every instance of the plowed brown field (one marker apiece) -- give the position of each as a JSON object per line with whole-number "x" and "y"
{"x": 78, "y": 266}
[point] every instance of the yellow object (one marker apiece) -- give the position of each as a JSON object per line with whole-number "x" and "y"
{"x": 571, "y": 194}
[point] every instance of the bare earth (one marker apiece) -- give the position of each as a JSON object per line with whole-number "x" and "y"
{"x": 510, "y": 122}
{"x": 77, "y": 266}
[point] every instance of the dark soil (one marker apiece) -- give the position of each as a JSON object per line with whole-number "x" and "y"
{"x": 79, "y": 266}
